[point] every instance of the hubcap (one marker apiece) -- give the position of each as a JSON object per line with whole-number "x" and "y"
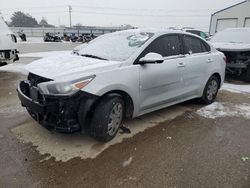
{"x": 115, "y": 118}
{"x": 212, "y": 90}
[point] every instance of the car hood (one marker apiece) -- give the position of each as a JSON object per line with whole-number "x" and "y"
{"x": 69, "y": 66}
{"x": 223, "y": 46}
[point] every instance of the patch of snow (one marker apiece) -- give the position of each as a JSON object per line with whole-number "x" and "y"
{"x": 36, "y": 40}
{"x": 14, "y": 67}
{"x": 30, "y": 40}
{"x": 217, "y": 110}
{"x": 45, "y": 54}
{"x": 236, "y": 88}
{"x": 127, "y": 162}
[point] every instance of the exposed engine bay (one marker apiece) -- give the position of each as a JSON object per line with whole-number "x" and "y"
{"x": 238, "y": 64}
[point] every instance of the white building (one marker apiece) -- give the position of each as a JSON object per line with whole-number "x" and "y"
{"x": 234, "y": 16}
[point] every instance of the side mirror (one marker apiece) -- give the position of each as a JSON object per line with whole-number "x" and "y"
{"x": 151, "y": 58}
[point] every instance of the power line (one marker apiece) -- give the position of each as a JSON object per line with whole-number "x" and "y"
{"x": 141, "y": 15}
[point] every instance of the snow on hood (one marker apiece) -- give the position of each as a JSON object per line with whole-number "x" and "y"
{"x": 69, "y": 66}
{"x": 231, "y": 46}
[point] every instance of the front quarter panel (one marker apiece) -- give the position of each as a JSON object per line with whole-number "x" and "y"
{"x": 123, "y": 78}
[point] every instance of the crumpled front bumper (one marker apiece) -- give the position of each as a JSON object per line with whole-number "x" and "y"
{"x": 58, "y": 113}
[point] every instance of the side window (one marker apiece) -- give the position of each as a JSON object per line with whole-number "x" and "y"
{"x": 195, "y": 45}
{"x": 168, "y": 45}
{"x": 203, "y": 35}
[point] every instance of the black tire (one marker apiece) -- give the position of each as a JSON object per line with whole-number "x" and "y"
{"x": 101, "y": 119}
{"x": 207, "y": 97}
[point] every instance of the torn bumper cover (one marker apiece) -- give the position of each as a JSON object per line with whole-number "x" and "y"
{"x": 58, "y": 113}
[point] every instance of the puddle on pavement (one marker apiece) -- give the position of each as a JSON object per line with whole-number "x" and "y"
{"x": 64, "y": 147}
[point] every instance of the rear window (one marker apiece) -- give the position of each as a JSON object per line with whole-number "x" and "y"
{"x": 195, "y": 45}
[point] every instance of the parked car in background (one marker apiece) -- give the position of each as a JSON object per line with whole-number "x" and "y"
{"x": 197, "y": 32}
{"x": 22, "y": 35}
{"x": 52, "y": 37}
{"x": 8, "y": 44}
{"x": 235, "y": 44}
{"x": 121, "y": 75}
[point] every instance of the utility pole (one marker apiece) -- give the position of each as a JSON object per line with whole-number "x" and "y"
{"x": 70, "y": 11}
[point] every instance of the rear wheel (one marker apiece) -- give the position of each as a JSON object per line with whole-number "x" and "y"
{"x": 107, "y": 118}
{"x": 210, "y": 90}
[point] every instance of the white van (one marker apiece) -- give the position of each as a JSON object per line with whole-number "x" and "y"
{"x": 8, "y": 44}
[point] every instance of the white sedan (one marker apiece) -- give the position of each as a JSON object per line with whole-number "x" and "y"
{"x": 121, "y": 75}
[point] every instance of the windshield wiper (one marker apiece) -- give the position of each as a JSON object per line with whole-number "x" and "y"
{"x": 93, "y": 56}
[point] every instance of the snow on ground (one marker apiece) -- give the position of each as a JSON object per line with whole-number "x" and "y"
{"x": 14, "y": 67}
{"x": 31, "y": 40}
{"x": 36, "y": 40}
{"x": 45, "y": 54}
{"x": 127, "y": 162}
{"x": 236, "y": 88}
{"x": 218, "y": 109}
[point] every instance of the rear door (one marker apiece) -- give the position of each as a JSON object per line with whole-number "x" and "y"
{"x": 162, "y": 83}
{"x": 197, "y": 61}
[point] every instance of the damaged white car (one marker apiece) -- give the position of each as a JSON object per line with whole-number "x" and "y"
{"x": 121, "y": 75}
{"x": 235, "y": 44}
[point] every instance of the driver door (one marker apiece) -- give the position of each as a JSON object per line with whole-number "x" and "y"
{"x": 162, "y": 83}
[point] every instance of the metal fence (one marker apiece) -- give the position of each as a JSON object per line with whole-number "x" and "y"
{"x": 40, "y": 31}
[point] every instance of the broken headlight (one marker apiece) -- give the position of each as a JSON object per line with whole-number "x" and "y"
{"x": 62, "y": 88}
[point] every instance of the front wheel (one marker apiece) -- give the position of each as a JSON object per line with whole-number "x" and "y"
{"x": 107, "y": 118}
{"x": 210, "y": 90}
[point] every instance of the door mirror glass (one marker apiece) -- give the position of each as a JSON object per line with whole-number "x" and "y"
{"x": 151, "y": 58}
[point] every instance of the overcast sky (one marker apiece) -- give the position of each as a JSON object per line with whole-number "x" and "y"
{"x": 141, "y": 13}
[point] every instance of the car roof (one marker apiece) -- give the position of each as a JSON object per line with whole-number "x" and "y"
{"x": 156, "y": 31}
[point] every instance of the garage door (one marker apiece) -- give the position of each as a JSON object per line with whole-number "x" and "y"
{"x": 226, "y": 23}
{"x": 247, "y": 22}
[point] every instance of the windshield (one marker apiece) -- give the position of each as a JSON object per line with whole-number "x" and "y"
{"x": 232, "y": 36}
{"x": 116, "y": 46}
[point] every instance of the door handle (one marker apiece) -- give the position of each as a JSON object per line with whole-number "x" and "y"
{"x": 209, "y": 61}
{"x": 182, "y": 64}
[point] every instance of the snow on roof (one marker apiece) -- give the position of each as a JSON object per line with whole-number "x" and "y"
{"x": 156, "y": 31}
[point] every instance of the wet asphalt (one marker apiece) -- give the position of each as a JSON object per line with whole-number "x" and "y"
{"x": 186, "y": 151}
